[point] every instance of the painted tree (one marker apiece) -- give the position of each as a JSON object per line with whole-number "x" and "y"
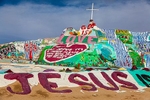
{"x": 30, "y": 49}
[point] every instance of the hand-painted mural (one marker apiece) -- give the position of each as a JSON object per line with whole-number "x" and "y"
{"x": 109, "y": 80}
{"x": 90, "y": 46}
{"x": 106, "y": 48}
{"x": 90, "y": 52}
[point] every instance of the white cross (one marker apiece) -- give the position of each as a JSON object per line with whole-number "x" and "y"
{"x": 92, "y": 10}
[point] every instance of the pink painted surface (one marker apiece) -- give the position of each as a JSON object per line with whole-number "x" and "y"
{"x": 71, "y": 39}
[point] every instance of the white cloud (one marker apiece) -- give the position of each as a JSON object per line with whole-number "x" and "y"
{"x": 33, "y": 21}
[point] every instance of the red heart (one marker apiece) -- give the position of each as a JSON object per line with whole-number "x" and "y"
{"x": 63, "y": 51}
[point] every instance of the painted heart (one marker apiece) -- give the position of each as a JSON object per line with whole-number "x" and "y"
{"x": 63, "y": 51}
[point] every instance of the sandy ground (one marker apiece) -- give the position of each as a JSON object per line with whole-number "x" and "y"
{"x": 39, "y": 93}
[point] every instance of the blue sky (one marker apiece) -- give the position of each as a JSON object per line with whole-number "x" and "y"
{"x": 33, "y": 19}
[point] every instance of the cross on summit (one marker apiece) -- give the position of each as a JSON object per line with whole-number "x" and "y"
{"x": 92, "y": 10}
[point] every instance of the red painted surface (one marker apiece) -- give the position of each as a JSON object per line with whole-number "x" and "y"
{"x": 74, "y": 78}
{"x": 22, "y": 78}
{"x": 62, "y": 51}
{"x": 43, "y": 78}
{"x": 126, "y": 84}
{"x": 100, "y": 84}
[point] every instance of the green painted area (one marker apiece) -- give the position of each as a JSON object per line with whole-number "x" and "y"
{"x": 41, "y": 57}
{"x": 148, "y": 38}
{"x": 125, "y": 36}
{"x": 136, "y": 59}
{"x": 100, "y": 54}
{"x": 90, "y": 58}
{"x": 85, "y": 59}
{"x": 99, "y": 33}
{"x": 140, "y": 72}
{"x": 106, "y": 48}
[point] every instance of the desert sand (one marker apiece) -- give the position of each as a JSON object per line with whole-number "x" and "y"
{"x": 39, "y": 93}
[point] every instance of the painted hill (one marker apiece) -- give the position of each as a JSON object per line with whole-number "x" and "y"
{"x": 75, "y": 63}
{"x": 89, "y": 46}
